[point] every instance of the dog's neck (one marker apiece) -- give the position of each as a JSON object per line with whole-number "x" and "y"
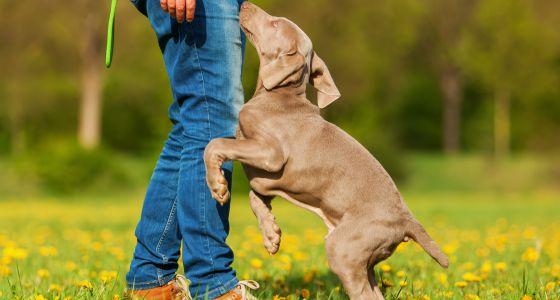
{"x": 291, "y": 90}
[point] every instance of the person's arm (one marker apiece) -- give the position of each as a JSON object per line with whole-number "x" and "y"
{"x": 182, "y": 10}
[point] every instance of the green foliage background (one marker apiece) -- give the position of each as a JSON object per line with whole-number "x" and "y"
{"x": 387, "y": 57}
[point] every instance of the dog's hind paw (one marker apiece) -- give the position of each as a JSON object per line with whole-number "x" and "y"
{"x": 271, "y": 234}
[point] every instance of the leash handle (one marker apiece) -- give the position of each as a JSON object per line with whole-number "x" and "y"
{"x": 110, "y": 34}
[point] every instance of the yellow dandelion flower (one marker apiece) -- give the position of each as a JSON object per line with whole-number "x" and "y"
{"x": 385, "y": 268}
{"x": 500, "y": 266}
{"x": 467, "y": 266}
{"x": 48, "y": 251}
{"x": 84, "y": 284}
{"x": 14, "y": 253}
{"x": 55, "y": 288}
{"x": 40, "y": 297}
{"x": 470, "y": 277}
{"x": 486, "y": 267}
{"x": 308, "y": 276}
{"x": 305, "y": 293}
{"x": 5, "y": 271}
{"x": 107, "y": 276}
{"x": 256, "y": 263}
{"x": 442, "y": 278}
{"x": 461, "y": 284}
{"x": 403, "y": 283}
{"x": 43, "y": 273}
{"x": 471, "y": 297}
{"x": 550, "y": 286}
{"x": 116, "y": 297}
{"x": 530, "y": 255}
{"x": 387, "y": 283}
{"x": 401, "y": 274}
{"x": 424, "y": 297}
{"x": 526, "y": 297}
{"x": 70, "y": 266}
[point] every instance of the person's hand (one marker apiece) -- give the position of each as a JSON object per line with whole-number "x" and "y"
{"x": 179, "y": 9}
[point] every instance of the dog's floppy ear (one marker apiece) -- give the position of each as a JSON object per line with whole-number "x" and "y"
{"x": 285, "y": 69}
{"x": 321, "y": 79}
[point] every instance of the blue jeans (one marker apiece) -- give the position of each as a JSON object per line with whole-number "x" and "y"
{"x": 204, "y": 61}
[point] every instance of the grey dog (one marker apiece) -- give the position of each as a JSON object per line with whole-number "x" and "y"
{"x": 287, "y": 149}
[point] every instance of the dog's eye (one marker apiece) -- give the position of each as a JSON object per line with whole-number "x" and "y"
{"x": 274, "y": 24}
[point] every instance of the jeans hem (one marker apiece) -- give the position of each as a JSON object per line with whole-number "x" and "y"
{"x": 150, "y": 284}
{"x": 218, "y": 291}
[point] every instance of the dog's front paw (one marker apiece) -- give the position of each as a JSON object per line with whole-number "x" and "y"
{"x": 218, "y": 186}
{"x": 271, "y": 234}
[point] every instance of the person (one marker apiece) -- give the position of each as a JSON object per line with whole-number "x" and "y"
{"x": 202, "y": 46}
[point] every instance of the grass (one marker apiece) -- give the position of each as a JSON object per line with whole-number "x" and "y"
{"x": 504, "y": 243}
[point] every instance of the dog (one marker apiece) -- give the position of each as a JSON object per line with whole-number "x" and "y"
{"x": 287, "y": 149}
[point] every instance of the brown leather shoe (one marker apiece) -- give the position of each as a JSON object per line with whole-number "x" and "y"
{"x": 176, "y": 289}
{"x": 240, "y": 291}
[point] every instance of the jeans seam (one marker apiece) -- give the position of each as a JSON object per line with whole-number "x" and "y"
{"x": 164, "y": 235}
{"x": 150, "y": 284}
{"x": 203, "y": 206}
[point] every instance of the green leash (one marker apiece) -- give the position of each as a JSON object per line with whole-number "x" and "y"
{"x": 111, "y": 35}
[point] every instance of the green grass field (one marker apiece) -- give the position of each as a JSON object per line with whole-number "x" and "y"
{"x": 503, "y": 244}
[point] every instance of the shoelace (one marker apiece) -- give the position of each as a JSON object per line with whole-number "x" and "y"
{"x": 183, "y": 284}
{"x": 247, "y": 284}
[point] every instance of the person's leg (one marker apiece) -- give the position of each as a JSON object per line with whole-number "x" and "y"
{"x": 207, "y": 78}
{"x": 203, "y": 61}
{"x": 158, "y": 238}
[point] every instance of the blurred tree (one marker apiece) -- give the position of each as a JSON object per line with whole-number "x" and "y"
{"x": 446, "y": 23}
{"x": 507, "y": 50}
{"x": 91, "y": 37}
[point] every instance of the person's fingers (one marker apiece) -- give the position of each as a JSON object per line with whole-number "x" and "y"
{"x": 191, "y": 6}
{"x": 180, "y": 10}
{"x": 171, "y": 7}
{"x": 163, "y": 4}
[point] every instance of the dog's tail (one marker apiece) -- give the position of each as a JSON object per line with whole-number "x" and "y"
{"x": 415, "y": 231}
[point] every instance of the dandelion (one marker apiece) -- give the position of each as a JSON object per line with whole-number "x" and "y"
{"x": 107, "y": 276}
{"x": 40, "y": 297}
{"x": 70, "y": 266}
{"x": 43, "y": 273}
{"x": 5, "y": 271}
{"x": 500, "y": 266}
{"x": 403, "y": 283}
{"x": 526, "y": 297}
{"x": 471, "y": 297}
{"x": 55, "y": 288}
{"x": 442, "y": 278}
{"x": 387, "y": 283}
{"x": 14, "y": 253}
{"x": 309, "y": 275}
{"x": 48, "y": 251}
{"x": 401, "y": 274}
{"x": 530, "y": 255}
{"x": 84, "y": 284}
{"x": 256, "y": 263}
{"x": 486, "y": 267}
{"x": 116, "y": 297}
{"x": 305, "y": 293}
{"x": 385, "y": 268}
{"x": 461, "y": 284}
{"x": 470, "y": 277}
{"x": 549, "y": 286}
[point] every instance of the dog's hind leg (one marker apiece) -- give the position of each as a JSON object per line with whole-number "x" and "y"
{"x": 348, "y": 254}
{"x": 267, "y": 222}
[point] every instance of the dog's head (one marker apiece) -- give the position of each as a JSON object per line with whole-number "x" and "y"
{"x": 286, "y": 54}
